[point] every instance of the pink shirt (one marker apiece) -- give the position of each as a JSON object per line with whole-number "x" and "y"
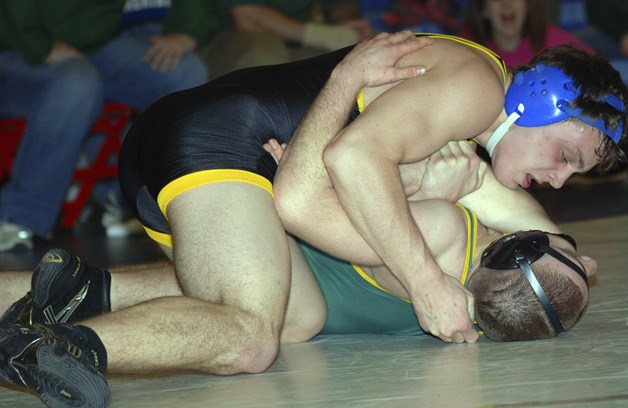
{"x": 524, "y": 52}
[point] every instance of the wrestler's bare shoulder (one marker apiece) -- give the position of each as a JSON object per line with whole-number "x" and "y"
{"x": 450, "y": 59}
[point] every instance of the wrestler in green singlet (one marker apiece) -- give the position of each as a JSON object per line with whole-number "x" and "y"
{"x": 358, "y": 304}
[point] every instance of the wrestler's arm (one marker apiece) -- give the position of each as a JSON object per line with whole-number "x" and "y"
{"x": 304, "y": 196}
{"x": 366, "y": 178}
{"x": 436, "y": 108}
{"x": 503, "y": 209}
{"x": 457, "y": 173}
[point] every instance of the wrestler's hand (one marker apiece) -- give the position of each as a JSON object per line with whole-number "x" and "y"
{"x": 453, "y": 172}
{"x": 166, "y": 51}
{"x": 374, "y": 62}
{"x": 445, "y": 309}
{"x": 275, "y": 149}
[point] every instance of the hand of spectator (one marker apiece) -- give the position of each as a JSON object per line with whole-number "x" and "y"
{"x": 275, "y": 149}
{"x": 166, "y": 51}
{"x": 453, "y": 172}
{"x": 362, "y": 28}
{"x": 445, "y": 309}
{"x": 61, "y": 51}
{"x": 374, "y": 62}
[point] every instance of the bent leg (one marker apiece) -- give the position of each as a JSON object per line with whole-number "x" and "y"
{"x": 133, "y": 284}
{"x": 232, "y": 262}
{"x": 130, "y": 284}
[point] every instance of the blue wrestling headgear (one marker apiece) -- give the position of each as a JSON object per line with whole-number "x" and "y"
{"x": 541, "y": 96}
{"x": 522, "y": 249}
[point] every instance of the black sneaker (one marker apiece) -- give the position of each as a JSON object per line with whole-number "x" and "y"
{"x": 62, "y": 374}
{"x": 64, "y": 288}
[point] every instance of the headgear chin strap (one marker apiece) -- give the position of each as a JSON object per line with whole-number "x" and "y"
{"x": 541, "y": 96}
{"x": 501, "y": 130}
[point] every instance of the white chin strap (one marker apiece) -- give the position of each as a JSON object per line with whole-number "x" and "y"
{"x": 501, "y": 130}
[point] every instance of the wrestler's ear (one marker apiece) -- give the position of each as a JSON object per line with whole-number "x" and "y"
{"x": 590, "y": 264}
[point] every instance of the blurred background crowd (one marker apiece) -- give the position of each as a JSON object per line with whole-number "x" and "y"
{"x": 62, "y": 61}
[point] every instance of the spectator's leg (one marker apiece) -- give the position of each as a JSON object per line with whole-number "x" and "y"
{"x": 130, "y": 80}
{"x": 59, "y": 102}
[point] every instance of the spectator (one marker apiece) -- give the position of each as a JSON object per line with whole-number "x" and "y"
{"x": 276, "y": 31}
{"x": 434, "y": 16}
{"x": 174, "y": 28}
{"x": 59, "y": 61}
{"x": 514, "y": 29}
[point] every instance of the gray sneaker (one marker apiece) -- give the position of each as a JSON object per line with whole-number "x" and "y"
{"x": 12, "y": 235}
{"x": 118, "y": 220}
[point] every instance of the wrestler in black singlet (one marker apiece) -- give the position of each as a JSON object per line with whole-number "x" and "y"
{"x": 215, "y": 132}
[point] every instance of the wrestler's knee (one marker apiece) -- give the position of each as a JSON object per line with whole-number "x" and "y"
{"x": 254, "y": 346}
{"x": 259, "y": 354}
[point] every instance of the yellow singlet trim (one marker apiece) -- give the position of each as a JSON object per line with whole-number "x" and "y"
{"x": 197, "y": 179}
{"x": 374, "y": 283}
{"x": 159, "y": 237}
{"x": 498, "y": 60}
{"x": 200, "y": 178}
{"x": 472, "y": 228}
{"x": 360, "y": 100}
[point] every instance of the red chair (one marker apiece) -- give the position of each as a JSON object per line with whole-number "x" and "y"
{"x": 11, "y": 130}
{"x": 113, "y": 122}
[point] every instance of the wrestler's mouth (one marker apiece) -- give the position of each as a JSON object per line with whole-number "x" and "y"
{"x": 527, "y": 181}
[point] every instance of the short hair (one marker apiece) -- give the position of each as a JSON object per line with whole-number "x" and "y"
{"x": 595, "y": 78}
{"x": 507, "y": 308}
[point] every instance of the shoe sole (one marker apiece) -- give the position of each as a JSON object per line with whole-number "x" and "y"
{"x": 65, "y": 382}
{"x": 62, "y": 379}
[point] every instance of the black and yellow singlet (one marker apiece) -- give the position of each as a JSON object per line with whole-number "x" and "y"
{"x": 215, "y": 133}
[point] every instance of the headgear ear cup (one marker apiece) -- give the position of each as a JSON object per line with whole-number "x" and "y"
{"x": 541, "y": 96}
{"x": 539, "y": 89}
{"x": 546, "y": 93}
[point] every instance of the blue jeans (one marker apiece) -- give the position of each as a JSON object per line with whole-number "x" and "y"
{"x": 60, "y": 103}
